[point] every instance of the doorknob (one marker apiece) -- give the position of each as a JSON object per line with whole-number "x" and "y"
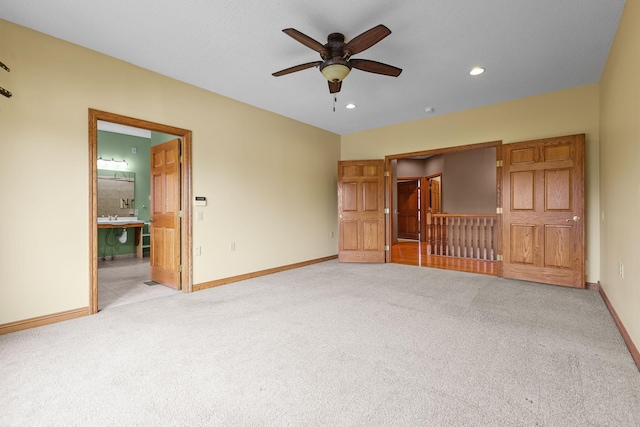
{"x": 575, "y": 218}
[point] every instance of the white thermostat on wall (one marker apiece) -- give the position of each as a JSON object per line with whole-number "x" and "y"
{"x": 201, "y": 201}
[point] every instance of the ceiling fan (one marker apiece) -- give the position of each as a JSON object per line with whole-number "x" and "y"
{"x": 336, "y": 55}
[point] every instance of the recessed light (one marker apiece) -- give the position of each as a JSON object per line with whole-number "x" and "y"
{"x": 351, "y": 106}
{"x": 476, "y": 71}
{"x": 429, "y": 109}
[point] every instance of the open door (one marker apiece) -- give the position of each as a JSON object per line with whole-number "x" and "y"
{"x": 361, "y": 211}
{"x": 165, "y": 213}
{"x": 435, "y": 197}
{"x": 408, "y": 210}
{"x": 543, "y": 211}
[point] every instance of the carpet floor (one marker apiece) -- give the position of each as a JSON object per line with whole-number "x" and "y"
{"x": 330, "y": 345}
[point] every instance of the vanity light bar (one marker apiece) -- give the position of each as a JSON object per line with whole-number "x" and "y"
{"x": 112, "y": 162}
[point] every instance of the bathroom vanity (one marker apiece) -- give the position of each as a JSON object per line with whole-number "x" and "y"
{"x": 126, "y": 222}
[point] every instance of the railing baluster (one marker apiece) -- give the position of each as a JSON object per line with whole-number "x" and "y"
{"x": 462, "y": 236}
{"x": 479, "y": 241}
{"x": 484, "y": 246}
{"x": 493, "y": 257}
{"x": 439, "y": 231}
{"x": 455, "y": 233}
{"x": 465, "y": 242}
{"x": 476, "y": 238}
{"x": 468, "y": 244}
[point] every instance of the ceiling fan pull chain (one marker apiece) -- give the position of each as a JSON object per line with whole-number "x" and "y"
{"x": 335, "y": 98}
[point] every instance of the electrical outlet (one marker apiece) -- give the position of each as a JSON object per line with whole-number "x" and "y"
{"x": 232, "y": 246}
{"x": 331, "y": 234}
{"x": 134, "y": 150}
{"x": 197, "y": 250}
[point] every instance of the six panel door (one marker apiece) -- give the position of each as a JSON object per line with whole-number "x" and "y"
{"x": 543, "y": 211}
{"x": 165, "y": 208}
{"x": 361, "y": 211}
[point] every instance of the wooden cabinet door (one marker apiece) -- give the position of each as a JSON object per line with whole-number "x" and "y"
{"x": 165, "y": 218}
{"x": 543, "y": 211}
{"x": 361, "y": 211}
{"x": 408, "y": 224}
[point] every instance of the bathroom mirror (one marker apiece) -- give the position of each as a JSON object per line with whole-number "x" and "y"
{"x": 116, "y": 193}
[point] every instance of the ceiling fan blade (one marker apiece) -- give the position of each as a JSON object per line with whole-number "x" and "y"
{"x": 375, "y": 67}
{"x": 366, "y": 40}
{"x": 296, "y": 68}
{"x": 334, "y": 87}
{"x": 307, "y": 41}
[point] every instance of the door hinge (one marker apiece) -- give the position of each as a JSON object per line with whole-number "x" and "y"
{"x": 499, "y": 163}
{"x": 498, "y": 257}
{"x": 386, "y": 211}
{"x": 386, "y": 173}
{"x": 180, "y": 268}
{"x": 179, "y": 214}
{"x": 387, "y": 248}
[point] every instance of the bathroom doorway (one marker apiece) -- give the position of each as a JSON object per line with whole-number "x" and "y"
{"x": 125, "y": 262}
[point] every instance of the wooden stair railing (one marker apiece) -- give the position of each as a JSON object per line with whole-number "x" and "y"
{"x": 462, "y": 235}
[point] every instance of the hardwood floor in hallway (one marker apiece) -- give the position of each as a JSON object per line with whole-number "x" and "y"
{"x": 412, "y": 252}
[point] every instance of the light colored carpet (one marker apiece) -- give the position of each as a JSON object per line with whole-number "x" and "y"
{"x": 330, "y": 344}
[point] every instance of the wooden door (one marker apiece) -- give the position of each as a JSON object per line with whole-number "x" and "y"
{"x": 543, "y": 211}
{"x": 408, "y": 208}
{"x": 434, "y": 186}
{"x": 165, "y": 213}
{"x": 361, "y": 211}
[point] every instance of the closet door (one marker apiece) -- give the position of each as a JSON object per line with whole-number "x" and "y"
{"x": 361, "y": 211}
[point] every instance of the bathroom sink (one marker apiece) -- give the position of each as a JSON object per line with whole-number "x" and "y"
{"x": 120, "y": 220}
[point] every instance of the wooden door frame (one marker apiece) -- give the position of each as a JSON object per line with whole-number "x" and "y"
{"x": 423, "y": 207}
{"x": 428, "y": 178}
{"x": 186, "y": 228}
{"x": 389, "y": 188}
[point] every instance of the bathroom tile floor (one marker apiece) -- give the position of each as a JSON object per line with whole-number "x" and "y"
{"x": 121, "y": 281}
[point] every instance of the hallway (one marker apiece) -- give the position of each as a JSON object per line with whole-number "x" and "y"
{"x": 413, "y": 252}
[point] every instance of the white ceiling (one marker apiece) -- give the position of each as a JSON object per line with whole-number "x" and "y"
{"x": 231, "y": 47}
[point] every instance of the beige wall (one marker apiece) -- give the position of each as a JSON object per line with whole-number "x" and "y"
{"x": 620, "y": 171}
{"x": 270, "y": 181}
{"x": 565, "y": 112}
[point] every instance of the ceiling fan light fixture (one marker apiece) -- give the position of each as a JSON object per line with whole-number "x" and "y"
{"x": 335, "y": 71}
